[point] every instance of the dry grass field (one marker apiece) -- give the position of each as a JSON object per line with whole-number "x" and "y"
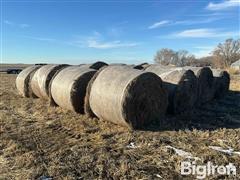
{"x": 40, "y": 142}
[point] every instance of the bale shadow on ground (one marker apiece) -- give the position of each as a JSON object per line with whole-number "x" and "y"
{"x": 217, "y": 114}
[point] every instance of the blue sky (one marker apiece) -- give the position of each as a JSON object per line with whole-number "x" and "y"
{"x": 125, "y": 31}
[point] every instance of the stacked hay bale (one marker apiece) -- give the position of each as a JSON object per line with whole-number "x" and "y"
{"x": 68, "y": 87}
{"x": 97, "y": 65}
{"x": 181, "y": 85}
{"x": 221, "y": 82}
{"x": 127, "y": 96}
{"x": 23, "y": 81}
{"x": 205, "y": 83}
{"x": 42, "y": 77}
{"x": 141, "y": 66}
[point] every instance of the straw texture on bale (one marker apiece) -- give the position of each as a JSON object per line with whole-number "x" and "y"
{"x": 128, "y": 97}
{"x": 97, "y": 65}
{"x": 159, "y": 69}
{"x": 42, "y": 77}
{"x": 117, "y": 64}
{"x": 181, "y": 86}
{"x": 205, "y": 83}
{"x": 23, "y": 81}
{"x": 68, "y": 87}
{"x": 87, "y": 108}
{"x": 141, "y": 66}
{"x": 221, "y": 82}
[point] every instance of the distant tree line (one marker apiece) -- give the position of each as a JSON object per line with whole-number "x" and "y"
{"x": 222, "y": 56}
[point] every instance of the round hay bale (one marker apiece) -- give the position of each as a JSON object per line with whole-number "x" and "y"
{"x": 181, "y": 86}
{"x": 42, "y": 77}
{"x": 97, "y": 65}
{"x": 221, "y": 82}
{"x": 141, "y": 66}
{"x": 205, "y": 83}
{"x": 128, "y": 97}
{"x": 23, "y": 81}
{"x": 68, "y": 87}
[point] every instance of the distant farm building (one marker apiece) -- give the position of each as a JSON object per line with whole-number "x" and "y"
{"x": 236, "y": 65}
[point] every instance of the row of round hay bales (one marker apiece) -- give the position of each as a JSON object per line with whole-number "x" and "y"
{"x": 181, "y": 85}
{"x": 126, "y": 96}
{"x": 68, "y": 87}
{"x": 213, "y": 83}
{"x": 205, "y": 79}
{"x": 42, "y": 77}
{"x": 191, "y": 86}
{"x": 133, "y": 96}
{"x": 34, "y": 81}
{"x": 39, "y": 75}
{"x": 116, "y": 93}
{"x": 23, "y": 81}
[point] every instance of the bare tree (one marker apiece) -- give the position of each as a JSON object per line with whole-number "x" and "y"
{"x": 228, "y": 52}
{"x": 205, "y": 61}
{"x": 184, "y": 58}
{"x": 168, "y": 56}
{"x": 165, "y": 56}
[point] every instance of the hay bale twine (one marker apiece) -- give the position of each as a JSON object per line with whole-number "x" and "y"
{"x": 181, "y": 86}
{"x": 221, "y": 82}
{"x": 42, "y": 77}
{"x": 68, "y": 87}
{"x": 205, "y": 83}
{"x": 23, "y": 81}
{"x": 128, "y": 97}
{"x": 97, "y": 65}
{"x": 141, "y": 66}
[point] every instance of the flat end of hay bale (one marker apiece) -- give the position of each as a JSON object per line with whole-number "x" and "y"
{"x": 128, "y": 97}
{"x": 205, "y": 85}
{"x": 221, "y": 82}
{"x": 145, "y": 101}
{"x": 78, "y": 92}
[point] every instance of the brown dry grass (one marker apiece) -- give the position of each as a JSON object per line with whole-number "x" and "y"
{"x": 38, "y": 141}
{"x": 233, "y": 71}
